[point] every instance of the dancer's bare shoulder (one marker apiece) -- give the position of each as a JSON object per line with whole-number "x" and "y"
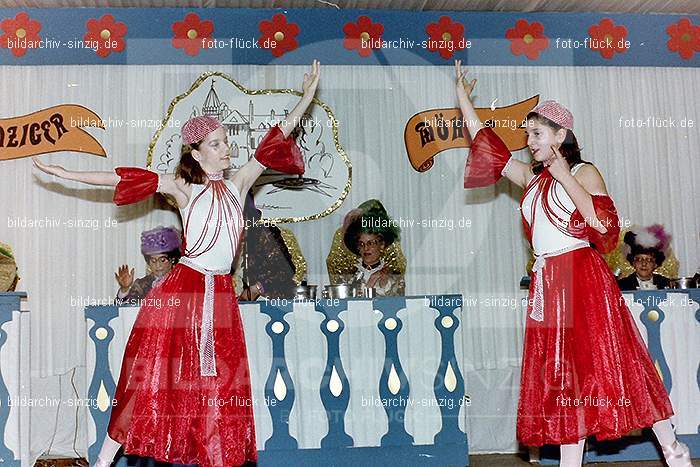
{"x": 176, "y": 187}
{"x": 519, "y": 172}
{"x": 591, "y": 180}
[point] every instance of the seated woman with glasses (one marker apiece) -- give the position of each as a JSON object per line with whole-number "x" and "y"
{"x": 160, "y": 248}
{"x": 646, "y": 249}
{"x": 376, "y": 260}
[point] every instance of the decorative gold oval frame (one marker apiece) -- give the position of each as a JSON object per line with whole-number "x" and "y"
{"x": 282, "y": 220}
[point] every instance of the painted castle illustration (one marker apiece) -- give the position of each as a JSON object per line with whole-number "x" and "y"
{"x": 244, "y": 131}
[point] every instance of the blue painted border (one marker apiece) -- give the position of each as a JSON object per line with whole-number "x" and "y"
{"x": 442, "y": 455}
{"x": 335, "y": 405}
{"x": 101, "y": 315}
{"x": 281, "y": 409}
{"x": 9, "y": 303}
{"x": 321, "y": 36}
{"x": 395, "y": 409}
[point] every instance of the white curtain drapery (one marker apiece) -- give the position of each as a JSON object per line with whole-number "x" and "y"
{"x": 68, "y": 261}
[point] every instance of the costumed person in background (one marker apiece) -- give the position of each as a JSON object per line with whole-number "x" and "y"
{"x": 368, "y": 232}
{"x": 246, "y": 290}
{"x": 160, "y": 248}
{"x": 646, "y": 249}
{"x": 582, "y": 346}
{"x": 266, "y": 267}
{"x": 187, "y": 349}
{"x": 8, "y": 269}
{"x": 271, "y": 266}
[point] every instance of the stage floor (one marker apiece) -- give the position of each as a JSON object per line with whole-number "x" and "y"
{"x": 511, "y": 460}
{"x": 491, "y": 460}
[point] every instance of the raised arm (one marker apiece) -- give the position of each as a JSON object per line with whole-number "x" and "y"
{"x": 249, "y": 173}
{"x": 91, "y": 178}
{"x": 464, "y": 91}
{"x": 516, "y": 171}
{"x": 309, "y": 90}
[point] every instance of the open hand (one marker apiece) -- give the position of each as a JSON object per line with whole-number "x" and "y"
{"x": 56, "y": 170}
{"x": 125, "y": 278}
{"x": 464, "y": 89}
{"x": 311, "y": 79}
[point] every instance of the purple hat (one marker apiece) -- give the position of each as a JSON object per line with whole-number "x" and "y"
{"x": 556, "y": 113}
{"x": 196, "y": 128}
{"x": 160, "y": 240}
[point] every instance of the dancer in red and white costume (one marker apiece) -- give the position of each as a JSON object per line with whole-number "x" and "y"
{"x": 586, "y": 370}
{"x": 184, "y": 394}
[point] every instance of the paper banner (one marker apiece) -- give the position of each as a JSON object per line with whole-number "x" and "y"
{"x": 430, "y": 132}
{"x": 50, "y": 130}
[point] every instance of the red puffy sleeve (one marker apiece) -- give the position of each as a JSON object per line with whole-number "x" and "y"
{"x": 277, "y": 153}
{"x": 487, "y": 159}
{"x": 135, "y": 184}
{"x": 607, "y": 215}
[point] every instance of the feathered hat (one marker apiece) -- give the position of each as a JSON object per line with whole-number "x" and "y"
{"x": 369, "y": 217}
{"x": 652, "y": 240}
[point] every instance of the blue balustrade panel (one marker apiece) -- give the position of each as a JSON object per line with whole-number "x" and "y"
{"x": 9, "y": 303}
{"x": 337, "y": 446}
{"x": 645, "y": 447}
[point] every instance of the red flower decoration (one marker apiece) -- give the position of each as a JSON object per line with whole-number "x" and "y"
{"x": 20, "y": 34}
{"x": 684, "y": 38}
{"x": 528, "y": 39}
{"x": 363, "y": 36}
{"x": 607, "y": 38}
{"x": 446, "y": 36}
{"x": 192, "y": 34}
{"x": 105, "y": 35}
{"x": 278, "y": 35}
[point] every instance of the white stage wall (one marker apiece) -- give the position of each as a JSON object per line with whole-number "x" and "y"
{"x": 651, "y": 173}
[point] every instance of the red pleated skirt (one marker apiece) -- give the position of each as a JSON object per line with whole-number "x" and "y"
{"x": 586, "y": 370}
{"x": 164, "y": 408}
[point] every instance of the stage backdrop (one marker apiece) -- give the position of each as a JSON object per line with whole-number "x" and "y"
{"x": 69, "y": 239}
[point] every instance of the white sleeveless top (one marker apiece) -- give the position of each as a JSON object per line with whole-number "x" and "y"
{"x": 546, "y": 237}
{"x": 221, "y": 254}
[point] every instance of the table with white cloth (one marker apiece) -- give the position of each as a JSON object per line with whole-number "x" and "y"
{"x": 334, "y": 382}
